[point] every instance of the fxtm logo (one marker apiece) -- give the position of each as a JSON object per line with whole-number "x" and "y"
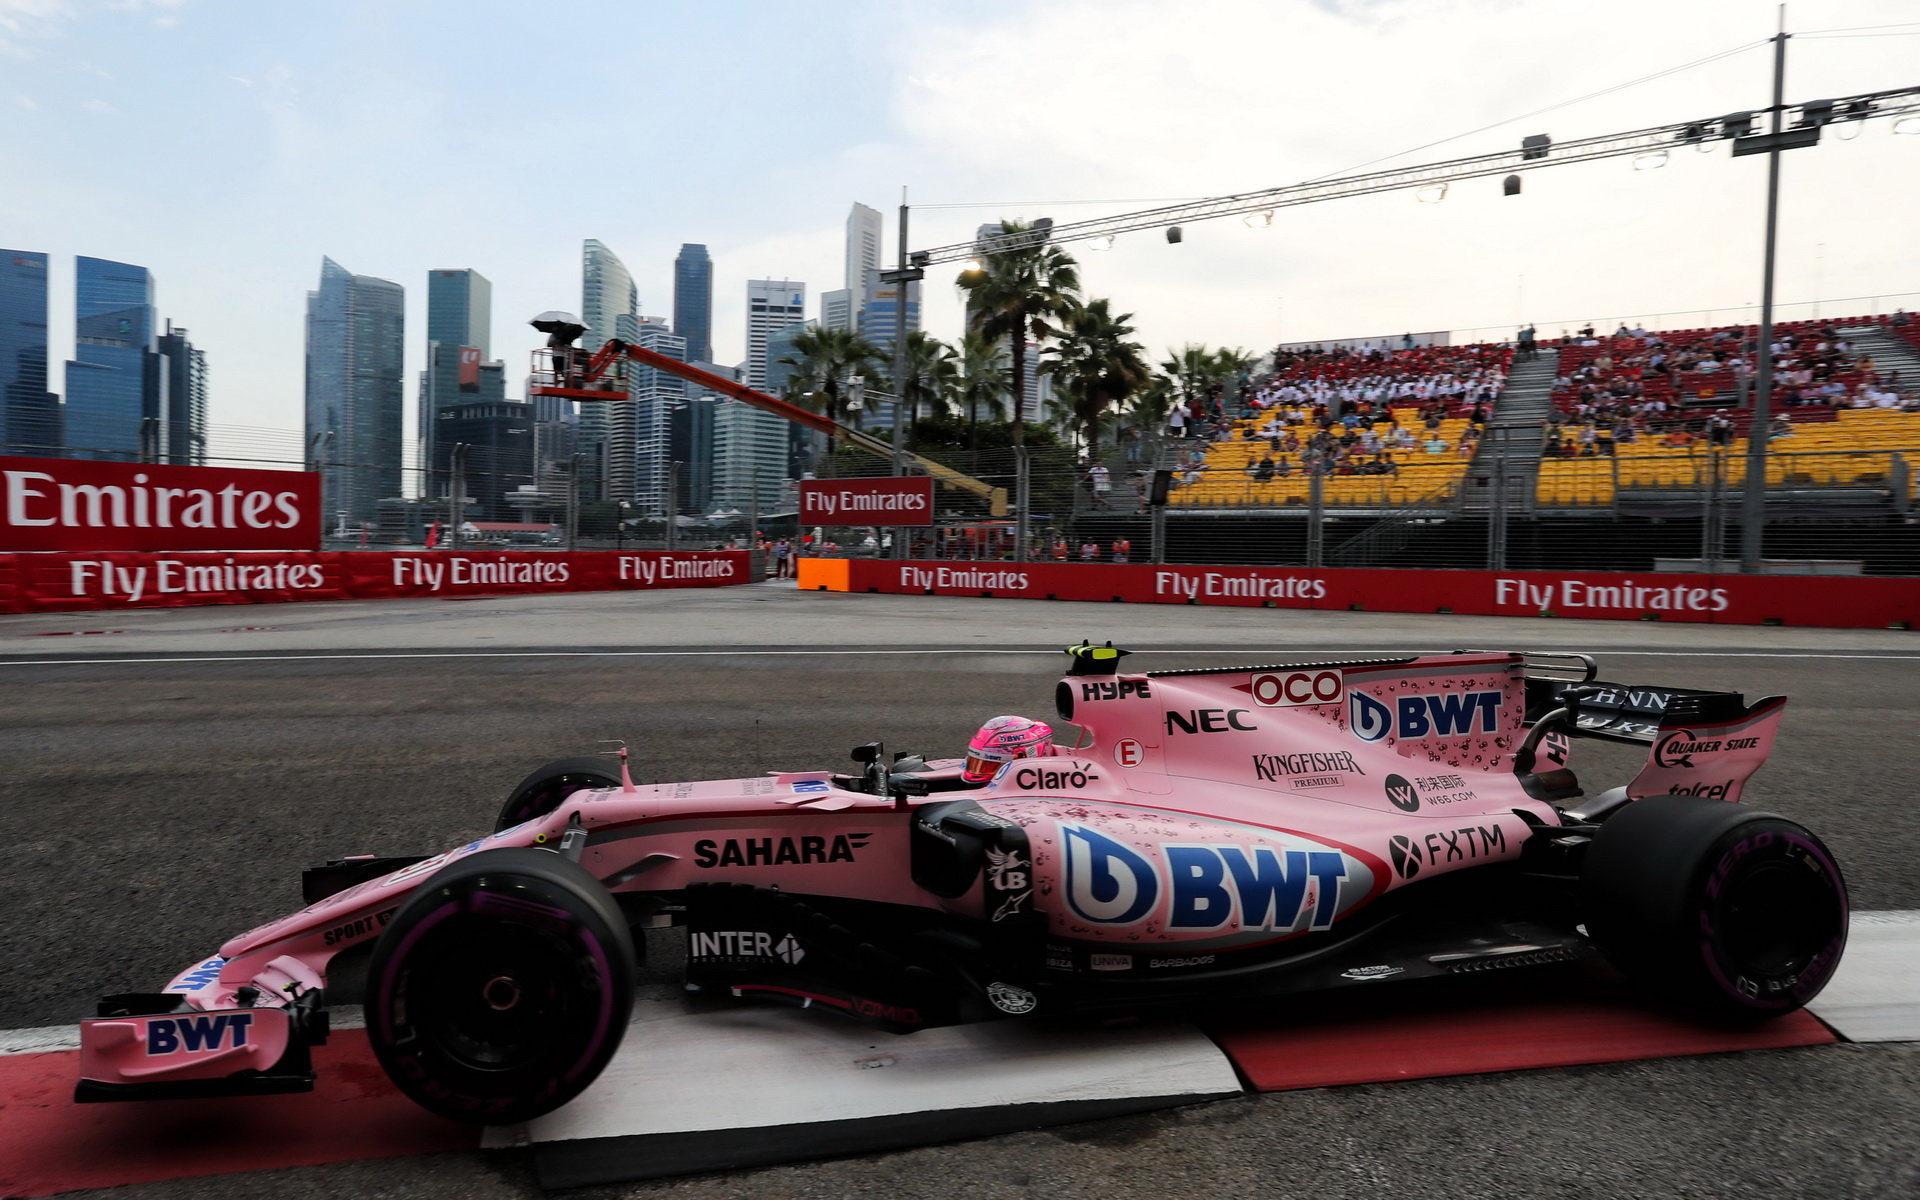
{"x": 1454, "y": 845}
{"x": 1207, "y": 885}
{"x": 1448, "y": 714}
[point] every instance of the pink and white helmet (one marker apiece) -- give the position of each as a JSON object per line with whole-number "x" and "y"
{"x": 1003, "y": 739}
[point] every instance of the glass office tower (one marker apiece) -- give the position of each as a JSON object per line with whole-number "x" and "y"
{"x": 113, "y": 378}
{"x": 29, "y": 413}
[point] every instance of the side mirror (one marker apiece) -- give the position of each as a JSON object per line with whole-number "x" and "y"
{"x": 909, "y": 785}
{"x": 868, "y": 754}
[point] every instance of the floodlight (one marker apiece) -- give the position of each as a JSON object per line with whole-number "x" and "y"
{"x": 1100, "y": 243}
{"x": 1650, "y": 162}
{"x": 1173, "y": 235}
{"x": 1907, "y": 125}
{"x": 1259, "y": 220}
{"x": 1433, "y": 193}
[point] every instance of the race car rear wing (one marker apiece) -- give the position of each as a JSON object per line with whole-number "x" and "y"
{"x": 1700, "y": 742}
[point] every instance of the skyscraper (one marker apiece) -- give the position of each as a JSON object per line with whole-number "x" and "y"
{"x": 29, "y": 413}
{"x": 772, "y": 305}
{"x": 656, "y": 396}
{"x": 606, "y": 295}
{"x": 836, "y": 309}
{"x": 459, "y": 332}
{"x": 880, "y": 320}
{"x": 863, "y": 256}
{"x": 693, "y": 301}
{"x": 356, "y": 329}
{"x": 181, "y": 437}
{"x": 112, "y": 380}
{"x": 500, "y": 441}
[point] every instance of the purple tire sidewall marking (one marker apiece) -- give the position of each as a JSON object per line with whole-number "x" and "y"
{"x": 1820, "y": 967}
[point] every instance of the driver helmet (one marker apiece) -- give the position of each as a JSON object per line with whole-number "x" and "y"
{"x": 1003, "y": 739}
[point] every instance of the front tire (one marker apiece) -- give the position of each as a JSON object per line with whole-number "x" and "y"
{"x": 547, "y": 788}
{"x": 1729, "y": 912}
{"x": 501, "y": 987}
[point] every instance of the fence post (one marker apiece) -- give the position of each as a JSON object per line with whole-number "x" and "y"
{"x": 1316, "y": 513}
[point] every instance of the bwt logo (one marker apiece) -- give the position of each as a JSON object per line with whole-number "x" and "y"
{"x": 1207, "y": 885}
{"x": 194, "y": 1034}
{"x": 1446, "y": 715}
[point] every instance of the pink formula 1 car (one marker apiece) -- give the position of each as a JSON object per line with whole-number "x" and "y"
{"x": 1237, "y": 831}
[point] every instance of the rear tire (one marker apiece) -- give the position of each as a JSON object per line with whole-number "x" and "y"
{"x": 501, "y": 988}
{"x": 1729, "y": 912}
{"x": 547, "y": 788}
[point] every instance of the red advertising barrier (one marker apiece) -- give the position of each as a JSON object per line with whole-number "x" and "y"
{"x": 72, "y": 504}
{"x": 76, "y": 582}
{"x": 906, "y": 500}
{"x": 1719, "y": 599}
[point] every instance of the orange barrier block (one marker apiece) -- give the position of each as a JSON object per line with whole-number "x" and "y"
{"x": 823, "y": 575}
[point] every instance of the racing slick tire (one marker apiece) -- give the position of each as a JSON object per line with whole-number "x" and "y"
{"x": 501, "y": 987}
{"x": 1731, "y": 913}
{"x": 544, "y": 790}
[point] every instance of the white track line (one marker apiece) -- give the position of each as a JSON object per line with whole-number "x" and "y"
{"x": 904, "y": 650}
{"x": 48, "y": 1038}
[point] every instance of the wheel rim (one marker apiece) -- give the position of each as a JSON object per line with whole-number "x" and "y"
{"x": 1776, "y": 917}
{"x": 485, "y": 994}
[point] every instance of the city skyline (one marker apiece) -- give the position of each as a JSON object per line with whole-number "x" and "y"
{"x": 334, "y": 141}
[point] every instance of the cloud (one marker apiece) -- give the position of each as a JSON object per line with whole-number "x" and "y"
{"x": 25, "y": 21}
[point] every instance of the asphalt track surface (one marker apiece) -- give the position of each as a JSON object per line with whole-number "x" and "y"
{"x": 164, "y": 774}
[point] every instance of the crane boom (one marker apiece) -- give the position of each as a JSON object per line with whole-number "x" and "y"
{"x": 599, "y": 370}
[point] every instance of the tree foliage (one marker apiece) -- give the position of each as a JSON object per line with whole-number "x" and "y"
{"x": 1017, "y": 295}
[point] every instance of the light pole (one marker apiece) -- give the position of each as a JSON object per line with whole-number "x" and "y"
{"x": 902, "y": 277}
{"x": 1753, "y": 505}
{"x": 457, "y": 500}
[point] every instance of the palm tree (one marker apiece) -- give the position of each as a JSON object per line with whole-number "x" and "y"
{"x": 932, "y": 375}
{"x": 824, "y": 358}
{"x": 1015, "y": 294}
{"x": 1096, "y": 366}
{"x": 984, "y": 377}
{"x": 1192, "y": 368}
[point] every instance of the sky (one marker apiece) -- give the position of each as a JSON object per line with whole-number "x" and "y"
{"x": 227, "y": 145}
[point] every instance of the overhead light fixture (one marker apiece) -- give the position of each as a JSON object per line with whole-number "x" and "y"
{"x": 1173, "y": 235}
{"x": 973, "y": 264}
{"x": 1104, "y": 242}
{"x": 1848, "y": 131}
{"x": 1650, "y": 162}
{"x": 1907, "y": 125}
{"x": 1433, "y": 193}
{"x": 1259, "y": 220}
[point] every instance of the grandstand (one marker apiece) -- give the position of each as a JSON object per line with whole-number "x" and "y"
{"x": 1380, "y": 428}
{"x": 1632, "y": 416}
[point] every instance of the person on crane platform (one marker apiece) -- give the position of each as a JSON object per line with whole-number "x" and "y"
{"x": 569, "y": 361}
